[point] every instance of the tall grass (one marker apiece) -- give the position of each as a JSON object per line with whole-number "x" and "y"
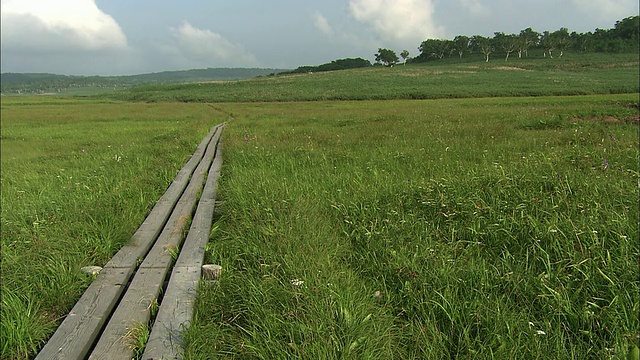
{"x": 483, "y": 228}
{"x": 77, "y": 180}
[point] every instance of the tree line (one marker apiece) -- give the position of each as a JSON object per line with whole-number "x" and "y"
{"x": 340, "y": 64}
{"x": 622, "y": 38}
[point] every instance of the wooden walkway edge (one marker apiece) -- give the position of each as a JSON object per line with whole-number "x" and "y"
{"x": 127, "y": 289}
{"x": 176, "y": 312}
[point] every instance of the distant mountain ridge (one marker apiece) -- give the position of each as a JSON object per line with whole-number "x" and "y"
{"x": 38, "y": 83}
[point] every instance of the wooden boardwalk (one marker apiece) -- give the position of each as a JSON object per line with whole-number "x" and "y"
{"x": 140, "y": 278}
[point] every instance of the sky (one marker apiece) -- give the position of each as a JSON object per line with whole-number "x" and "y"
{"x": 126, "y": 37}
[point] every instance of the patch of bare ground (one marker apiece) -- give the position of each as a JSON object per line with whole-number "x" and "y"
{"x": 633, "y": 119}
{"x": 511, "y": 68}
{"x": 617, "y": 65}
{"x": 435, "y": 72}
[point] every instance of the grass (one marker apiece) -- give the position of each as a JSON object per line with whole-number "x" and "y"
{"x": 573, "y": 74}
{"x": 78, "y": 178}
{"x": 465, "y": 227}
{"x": 136, "y": 338}
{"x": 475, "y": 228}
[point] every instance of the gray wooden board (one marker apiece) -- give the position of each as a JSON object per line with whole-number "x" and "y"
{"x": 171, "y": 237}
{"x": 133, "y": 310}
{"x": 176, "y": 309}
{"x": 144, "y": 237}
{"x": 192, "y": 253}
{"x": 78, "y": 332}
{"x": 149, "y": 279}
{"x": 174, "y": 315}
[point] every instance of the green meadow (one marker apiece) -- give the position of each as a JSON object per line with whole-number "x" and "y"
{"x": 78, "y": 178}
{"x": 484, "y": 228}
{"x": 459, "y": 210}
{"x": 573, "y": 74}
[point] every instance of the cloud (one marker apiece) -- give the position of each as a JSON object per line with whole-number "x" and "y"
{"x": 475, "y": 7}
{"x": 406, "y": 21}
{"x": 205, "y": 48}
{"x": 44, "y": 26}
{"x": 322, "y": 24}
{"x": 608, "y": 9}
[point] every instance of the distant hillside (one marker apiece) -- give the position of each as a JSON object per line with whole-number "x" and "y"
{"x": 35, "y": 83}
{"x": 571, "y": 74}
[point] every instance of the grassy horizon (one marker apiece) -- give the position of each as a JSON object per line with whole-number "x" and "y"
{"x": 573, "y": 74}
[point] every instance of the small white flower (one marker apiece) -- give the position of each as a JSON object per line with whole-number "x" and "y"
{"x": 540, "y": 332}
{"x": 297, "y": 282}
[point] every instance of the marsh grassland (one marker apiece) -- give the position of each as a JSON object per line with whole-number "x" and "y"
{"x": 78, "y": 178}
{"x": 454, "y": 211}
{"x": 477, "y": 228}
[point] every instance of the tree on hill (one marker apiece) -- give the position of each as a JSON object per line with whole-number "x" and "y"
{"x": 461, "y": 44}
{"x": 387, "y": 57}
{"x": 405, "y": 55}
{"x": 508, "y": 43}
{"x": 557, "y": 40}
{"x": 580, "y": 41}
{"x": 435, "y": 48}
{"x": 562, "y": 39}
{"x": 483, "y": 44}
{"x": 623, "y": 38}
{"x": 547, "y": 44}
{"x": 527, "y": 38}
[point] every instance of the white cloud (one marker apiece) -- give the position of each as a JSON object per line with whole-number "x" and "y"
{"x": 205, "y": 48}
{"x": 322, "y": 24}
{"x": 405, "y": 21}
{"x": 58, "y": 26}
{"x": 608, "y": 9}
{"x": 475, "y": 7}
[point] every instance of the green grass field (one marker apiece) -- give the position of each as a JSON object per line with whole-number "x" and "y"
{"x": 77, "y": 180}
{"x": 469, "y": 228}
{"x": 573, "y": 74}
{"x": 483, "y": 224}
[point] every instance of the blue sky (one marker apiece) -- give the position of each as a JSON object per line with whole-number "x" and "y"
{"x": 116, "y": 37}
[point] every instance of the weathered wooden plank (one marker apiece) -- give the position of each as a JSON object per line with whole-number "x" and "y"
{"x": 117, "y": 338}
{"x": 78, "y": 332}
{"x": 148, "y": 281}
{"x": 176, "y": 309}
{"x": 174, "y": 315}
{"x": 87, "y": 318}
{"x": 192, "y": 253}
{"x": 160, "y": 254}
{"x": 144, "y": 237}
